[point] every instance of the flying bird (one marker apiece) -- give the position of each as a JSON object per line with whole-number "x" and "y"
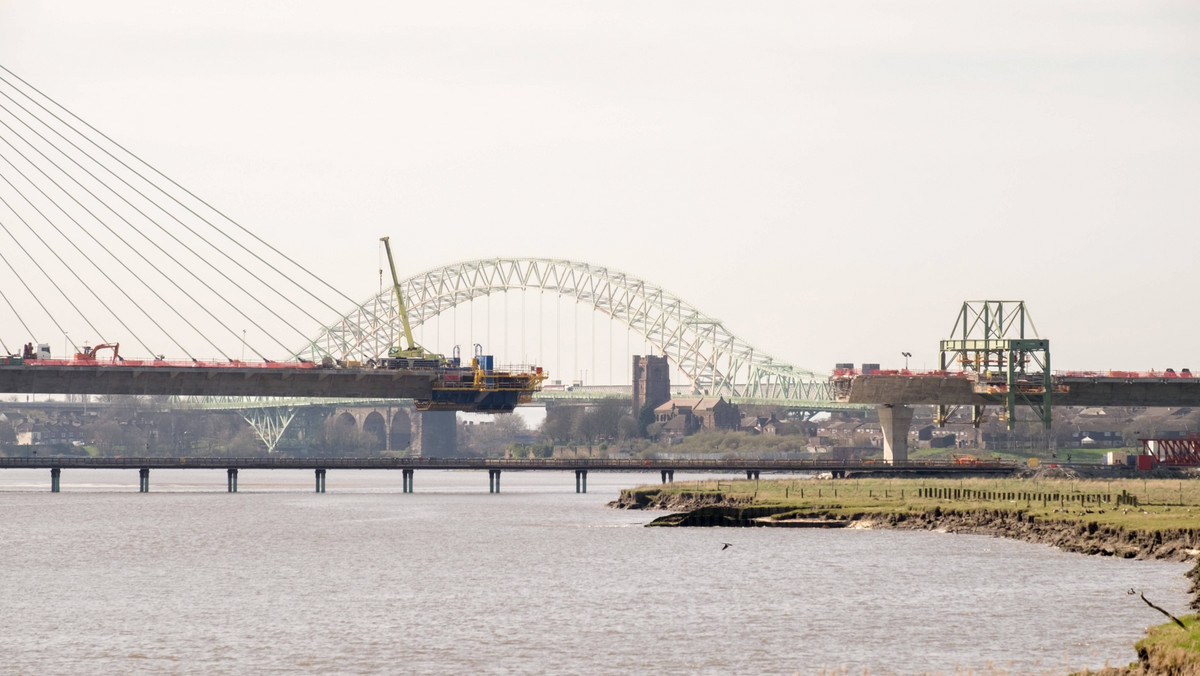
{"x": 727, "y": 546}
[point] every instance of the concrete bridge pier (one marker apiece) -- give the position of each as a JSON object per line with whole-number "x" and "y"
{"x": 55, "y": 476}
{"x": 581, "y": 481}
{"x": 320, "y": 481}
{"x": 895, "y": 419}
{"x": 752, "y": 475}
{"x": 668, "y": 476}
{"x": 407, "y": 479}
{"x": 435, "y": 434}
{"x": 493, "y": 481}
{"x": 144, "y": 480}
{"x": 231, "y": 480}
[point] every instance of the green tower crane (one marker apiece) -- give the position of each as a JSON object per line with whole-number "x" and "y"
{"x": 413, "y": 351}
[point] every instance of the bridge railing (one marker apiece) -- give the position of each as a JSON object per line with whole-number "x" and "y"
{"x": 932, "y": 373}
{"x": 1168, "y": 373}
{"x": 172, "y": 363}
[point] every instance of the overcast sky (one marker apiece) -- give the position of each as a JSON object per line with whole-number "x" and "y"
{"x": 830, "y": 179}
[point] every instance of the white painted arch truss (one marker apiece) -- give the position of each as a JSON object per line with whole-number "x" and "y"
{"x": 713, "y": 359}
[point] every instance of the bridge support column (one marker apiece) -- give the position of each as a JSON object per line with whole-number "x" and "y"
{"x": 407, "y": 477}
{"x": 231, "y": 480}
{"x": 320, "y": 481}
{"x": 144, "y": 480}
{"x": 581, "y": 481}
{"x": 55, "y": 475}
{"x": 752, "y": 475}
{"x": 668, "y": 476}
{"x": 435, "y": 434}
{"x": 895, "y": 420}
{"x": 493, "y": 481}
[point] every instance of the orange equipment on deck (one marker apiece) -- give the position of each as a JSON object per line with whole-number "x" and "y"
{"x": 89, "y": 353}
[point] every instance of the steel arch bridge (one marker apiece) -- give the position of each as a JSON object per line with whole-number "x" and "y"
{"x": 712, "y": 358}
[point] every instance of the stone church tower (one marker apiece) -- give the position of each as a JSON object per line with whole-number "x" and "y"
{"x": 651, "y": 382}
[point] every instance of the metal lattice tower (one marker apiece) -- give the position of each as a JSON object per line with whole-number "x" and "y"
{"x": 712, "y": 359}
{"x": 997, "y": 341}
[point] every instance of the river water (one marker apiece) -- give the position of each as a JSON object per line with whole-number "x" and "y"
{"x": 537, "y": 579}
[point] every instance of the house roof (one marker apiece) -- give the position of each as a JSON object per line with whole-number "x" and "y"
{"x": 1089, "y": 426}
{"x": 844, "y": 426}
{"x": 678, "y": 424}
{"x": 696, "y": 404}
{"x": 782, "y": 425}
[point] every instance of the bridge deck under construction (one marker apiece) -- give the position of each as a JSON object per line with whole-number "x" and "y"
{"x": 1068, "y": 389}
{"x": 232, "y": 380}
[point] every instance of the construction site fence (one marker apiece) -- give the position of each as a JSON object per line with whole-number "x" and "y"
{"x": 1123, "y": 498}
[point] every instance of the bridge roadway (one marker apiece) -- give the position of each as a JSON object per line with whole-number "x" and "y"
{"x": 752, "y": 467}
{"x": 209, "y": 379}
{"x": 279, "y": 379}
{"x": 1070, "y": 390}
{"x": 894, "y": 392}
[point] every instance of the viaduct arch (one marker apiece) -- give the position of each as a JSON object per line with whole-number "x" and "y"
{"x": 395, "y": 427}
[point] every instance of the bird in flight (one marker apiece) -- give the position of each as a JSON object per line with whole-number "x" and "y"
{"x": 727, "y": 546}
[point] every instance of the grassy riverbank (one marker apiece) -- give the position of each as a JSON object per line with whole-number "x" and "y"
{"x": 1167, "y": 649}
{"x": 1143, "y": 518}
{"x": 1151, "y": 505}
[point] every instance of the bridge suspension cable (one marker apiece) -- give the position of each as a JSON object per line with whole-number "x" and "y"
{"x": 61, "y": 208}
{"x": 50, "y": 278}
{"x": 208, "y": 262}
{"x": 130, "y": 212}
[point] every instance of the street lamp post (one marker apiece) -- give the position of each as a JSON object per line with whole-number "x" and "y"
{"x": 906, "y": 355}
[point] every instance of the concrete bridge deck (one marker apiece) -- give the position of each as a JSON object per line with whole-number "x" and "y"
{"x": 212, "y": 380}
{"x": 1068, "y": 390}
{"x": 894, "y": 392}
